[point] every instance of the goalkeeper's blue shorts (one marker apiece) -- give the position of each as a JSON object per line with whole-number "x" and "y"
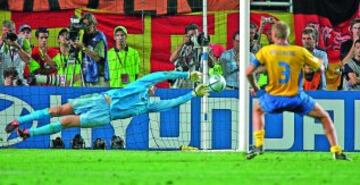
{"x": 301, "y": 103}
{"x": 93, "y": 110}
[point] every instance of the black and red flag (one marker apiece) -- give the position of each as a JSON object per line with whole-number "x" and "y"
{"x": 332, "y": 18}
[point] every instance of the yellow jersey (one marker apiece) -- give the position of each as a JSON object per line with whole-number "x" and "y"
{"x": 284, "y": 65}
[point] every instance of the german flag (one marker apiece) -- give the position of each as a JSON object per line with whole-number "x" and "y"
{"x": 332, "y": 19}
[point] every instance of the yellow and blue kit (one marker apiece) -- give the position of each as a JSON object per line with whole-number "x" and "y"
{"x": 284, "y": 65}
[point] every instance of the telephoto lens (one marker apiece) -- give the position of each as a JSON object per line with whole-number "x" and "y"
{"x": 50, "y": 80}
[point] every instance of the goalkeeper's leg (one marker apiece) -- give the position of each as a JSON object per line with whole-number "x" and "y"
{"x": 65, "y": 109}
{"x": 98, "y": 116}
{"x": 51, "y": 128}
{"x": 259, "y": 132}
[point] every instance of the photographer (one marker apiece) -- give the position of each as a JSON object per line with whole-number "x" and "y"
{"x": 14, "y": 51}
{"x": 70, "y": 69}
{"x": 94, "y": 52}
{"x": 42, "y": 57}
{"x": 187, "y": 57}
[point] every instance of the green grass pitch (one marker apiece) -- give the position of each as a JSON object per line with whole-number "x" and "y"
{"x": 20, "y": 166}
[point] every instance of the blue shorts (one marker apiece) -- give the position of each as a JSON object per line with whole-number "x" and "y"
{"x": 93, "y": 110}
{"x": 301, "y": 103}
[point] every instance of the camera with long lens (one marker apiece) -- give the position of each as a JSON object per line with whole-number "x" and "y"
{"x": 198, "y": 41}
{"x": 53, "y": 79}
{"x": 202, "y": 40}
{"x": 11, "y": 36}
{"x": 48, "y": 80}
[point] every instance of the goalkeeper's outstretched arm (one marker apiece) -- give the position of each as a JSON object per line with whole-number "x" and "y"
{"x": 157, "y": 77}
{"x": 162, "y": 105}
{"x": 200, "y": 90}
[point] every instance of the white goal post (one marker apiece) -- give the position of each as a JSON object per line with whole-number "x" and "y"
{"x": 244, "y": 112}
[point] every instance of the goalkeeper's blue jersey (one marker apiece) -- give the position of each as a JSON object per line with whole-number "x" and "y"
{"x": 134, "y": 98}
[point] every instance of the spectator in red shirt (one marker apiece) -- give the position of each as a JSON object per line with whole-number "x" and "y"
{"x": 42, "y": 55}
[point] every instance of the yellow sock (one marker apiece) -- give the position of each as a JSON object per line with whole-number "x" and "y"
{"x": 336, "y": 149}
{"x": 259, "y": 137}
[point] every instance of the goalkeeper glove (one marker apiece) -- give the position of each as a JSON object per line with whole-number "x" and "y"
{"x": 195, "y": 76}
{"x": 201, "y": 90}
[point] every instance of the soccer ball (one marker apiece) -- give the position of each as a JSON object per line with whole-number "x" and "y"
{"x": 217, "y": 83}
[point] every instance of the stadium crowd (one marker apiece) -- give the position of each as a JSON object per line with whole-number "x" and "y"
{"x": 87, "y": 60}
{"x": 78, "y": 61}
{"x": 316, "y": 80}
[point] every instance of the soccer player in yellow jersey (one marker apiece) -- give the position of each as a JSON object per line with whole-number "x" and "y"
{"x": 284, "y": 65}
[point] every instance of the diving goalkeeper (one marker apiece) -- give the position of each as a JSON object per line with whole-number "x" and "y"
{"x": 99, "y": 109}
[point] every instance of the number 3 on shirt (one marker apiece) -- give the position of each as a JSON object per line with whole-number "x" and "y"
{"x": 285, "y": 72}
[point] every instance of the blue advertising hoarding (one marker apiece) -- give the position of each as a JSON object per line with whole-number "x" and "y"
{"x": 182, "y": 125}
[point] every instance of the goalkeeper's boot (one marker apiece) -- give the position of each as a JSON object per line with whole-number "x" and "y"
{"x": 341, "y": 156}
{"x": 12, "y": 126}
{"x": 254, "y": 151}
{"x": 24, "y": 134}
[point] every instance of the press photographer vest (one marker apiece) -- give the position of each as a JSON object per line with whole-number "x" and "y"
{"x": 92, "y": 70}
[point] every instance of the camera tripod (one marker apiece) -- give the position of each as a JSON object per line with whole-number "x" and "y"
{"x": 73, "y": 61}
